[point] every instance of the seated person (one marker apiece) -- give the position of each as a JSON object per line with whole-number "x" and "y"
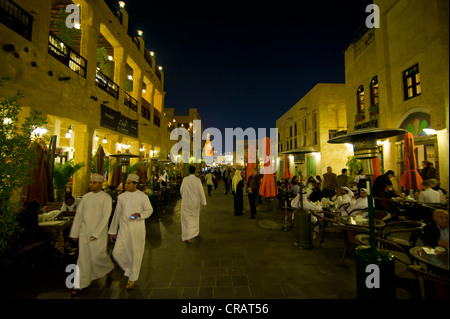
{"x": 69, "y": 207}
{"x": 436, "y": 233}
{"x": 360, "y": 203}
{"x": 434, "y": 183}
{"x": 294, "y": 189}
{"x": 429, "y": 195}
{"x": 341, "y": 200}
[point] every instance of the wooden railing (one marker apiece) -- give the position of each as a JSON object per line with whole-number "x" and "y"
{"x": 66, "y": 55}
{"x": 131, "y": 102}
{"x": 146, "y": 107}
{"x": 106, "y": 84}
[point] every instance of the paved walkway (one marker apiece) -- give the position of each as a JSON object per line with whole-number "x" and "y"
{"x": 233, "y": 258}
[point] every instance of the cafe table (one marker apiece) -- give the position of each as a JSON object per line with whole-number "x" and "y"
{"x": 435, "y": 262}
{"x": 56, "y": 230}
{"x": 360, "y": 222}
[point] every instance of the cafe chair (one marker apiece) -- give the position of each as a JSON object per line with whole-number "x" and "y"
{"x": 431, "y": 286}
{"x": 326, "y": 222}
{"x": 378, "y": 214}
{"x": 404, "y": 233}
{"x": 350, "y": 233}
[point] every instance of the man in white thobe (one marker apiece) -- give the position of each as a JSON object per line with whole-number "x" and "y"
{"x": 128, "y": 225}
{"x": 89, "y": 228}
{"x": 192, "y": 196}
{"x": 361, "y": 203}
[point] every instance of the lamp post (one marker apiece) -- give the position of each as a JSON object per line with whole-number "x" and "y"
{"x": 124, "y": 159}
{"x": 302, "y": 218}
{"x": 365, "y": 148}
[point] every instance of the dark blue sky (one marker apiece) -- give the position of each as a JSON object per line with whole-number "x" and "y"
{"x": 245, "y": 63}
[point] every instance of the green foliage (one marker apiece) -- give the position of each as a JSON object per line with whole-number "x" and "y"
{"x": 106, "y": 66}
{"x": 17, "y": 157}
{"x": 67, "y": 35}
{"x": 62, "y": 174}
{"x": 354, "y": 165}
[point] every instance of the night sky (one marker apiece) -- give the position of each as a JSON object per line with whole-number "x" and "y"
{"x": 245, "y": 63}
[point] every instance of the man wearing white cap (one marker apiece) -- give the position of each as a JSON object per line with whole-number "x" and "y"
{"x": 90, "y": 229}
{"x": 361, "y": 203}
{"x": 133, "y": 207}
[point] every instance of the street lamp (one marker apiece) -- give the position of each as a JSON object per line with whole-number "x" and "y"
{"x": 365, "y": 148}
{"x": 124, "y": 160}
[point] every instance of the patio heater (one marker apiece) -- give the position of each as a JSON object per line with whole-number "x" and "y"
{"x": 382, "y": 262}
{"x": 302, "y": 217}
{"x": 124, "y": 159}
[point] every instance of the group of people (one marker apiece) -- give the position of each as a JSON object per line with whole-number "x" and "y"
{"x": 127, "y": 229}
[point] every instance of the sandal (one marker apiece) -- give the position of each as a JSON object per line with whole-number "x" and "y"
{"x": 130, "y": 284}
{"x": 78, "y": 292}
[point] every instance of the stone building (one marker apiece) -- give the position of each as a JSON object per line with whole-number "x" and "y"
{"x": 308, "y": 125}
{"x": 397, "y": 76}
{"x": 93, "y": 79}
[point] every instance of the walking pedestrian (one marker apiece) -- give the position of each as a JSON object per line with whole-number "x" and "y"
{"x": 192, "y": 198}
{"x": 226, "y": 174}
{"x": 238, "y": 187}
{"x": 209, "y": 182}
{"x": 90, "y": 228}
{"x": 253, "y": 184}
{"x": 128, "y": 228}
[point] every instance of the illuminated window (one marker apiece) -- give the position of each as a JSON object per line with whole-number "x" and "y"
{"x": 360, "y": 100}
{"x": 411, "y": 82}
{"x": 374, "y": 91}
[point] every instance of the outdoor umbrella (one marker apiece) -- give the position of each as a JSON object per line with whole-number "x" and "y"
{"x": 100, "y": 160}
{"x": 142, "y": 172}
{"x": 117, "y": 175}
{"x": 38, "y": 188}
{"x": 411, "y": 178}
{"x": 287, "y": 172}
{"x": 268, "y": 188}
{"x": 376, "y": 167}
{"x": 251, "y": 162}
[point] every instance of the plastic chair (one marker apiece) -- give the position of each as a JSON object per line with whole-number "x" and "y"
{"x": 433, "y": 287}
{"x": 327, "y": 224}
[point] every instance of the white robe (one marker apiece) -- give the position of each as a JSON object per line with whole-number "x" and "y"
{"x": 91, "y": 219}
{"x": 130, "y": 242}
{"x": 358, "y": 204}
{"x": 192, "y": 196}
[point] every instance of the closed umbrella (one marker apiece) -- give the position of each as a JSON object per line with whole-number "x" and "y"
{"x": 142, "y": 173}
{"x": 376, "y": 167}
{"x": 117, "y": 175}
{"x": 38, "y": 188}
{"x": 268, "y": 188}
{"x": 287, "y": 171}
{"x": 100, "y": 160}
{"x": 251, "y": 162}
{"x": 411, "y": 178}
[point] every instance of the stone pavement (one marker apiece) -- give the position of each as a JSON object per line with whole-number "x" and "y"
{"x": 233, "y": 258}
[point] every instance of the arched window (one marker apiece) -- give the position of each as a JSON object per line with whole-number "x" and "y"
{"x": 374, "y": 91}
{"x": 360, "y": 100}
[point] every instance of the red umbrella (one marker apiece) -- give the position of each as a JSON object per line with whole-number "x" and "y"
{"x": 38, "y": 188}
{"x": 142, "y": 173}
{"x": 268, "y": 188}
{"x": 251, "y": 162}
{"x": 100, "y": 160}
{"x": 287, "y": 172}
{"x": 411, "y": 178}
{"x": 376, "y": 167}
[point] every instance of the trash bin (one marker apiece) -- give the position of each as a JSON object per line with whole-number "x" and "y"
{"x": 375, "y": 273}
{"x": 302, "y": 228}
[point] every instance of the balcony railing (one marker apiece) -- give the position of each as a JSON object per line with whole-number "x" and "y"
{"x": 106, "y": 84}
{"x": 158, "y": 74}
{"x": 136, "y": 41}
{"x": 66, "y": 55}
{"x": 145, "y": 112}
{"x": 115, "y": 10}
{"x": 16, "y": 18}
{"x": 131, "y": 102}
{"x": 148, "y": 58}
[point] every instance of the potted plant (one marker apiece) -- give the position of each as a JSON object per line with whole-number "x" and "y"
{"x": 360, "y": 117}
{"x": 61, "y": 176}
